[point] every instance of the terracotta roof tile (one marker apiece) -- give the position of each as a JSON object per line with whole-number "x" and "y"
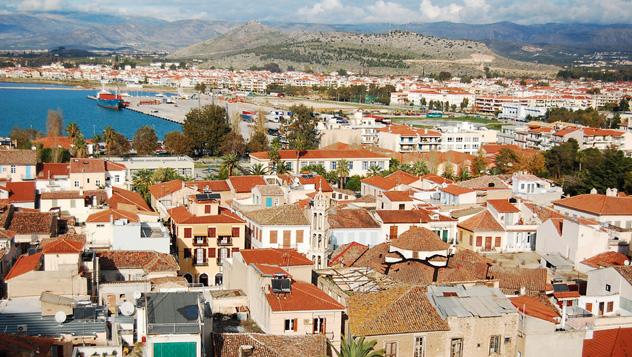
{"x": 245, "y": 184}
{"x": 503, "y": 206}
{"x": 283, "y": 215}
{"x": 317, "y": 181}
{"x": 273, "y": 256}
{"x": 180, "y": 215}
{"x": 419, "y": 239}
{"x": 482, "y": 222}
{"x": 64, "y": 245}
{"x": 347, "y": 254}
{"x": 149, "y": 261}
{"x": 21, "y": 192}
{"x": 320, "y": 154}
{"x": 229, "y": 345}
{"x": 24, "y": 264}
{"x": 61, "y": 195}
{"x": 379, "y": 182}
{"x": 600, "y": 205}
{"x": 111, "y": 215}
{"x": 18, "y": 157}
{"x": 351, "y": 218}
{"x": 52, "y": 170}
{"x": 411, "y": 216}
{"x": 399, "y": 310}
{"x": 436, "y": 179}
{"x": 27, "y": 222}
{"x": 402, "y": 177}
{"x": 607, "y": 259}
{"x": 121, "y": 199}
{"x": 87, "y": 165}
{"x": 615, "y": 342}
{"x": 536, "y": 306}
{"x": 163, "y": 189}
{"x": 511, "y": 280}
{"x": 456, "y": 190}
{"x": 303, "y": 297}
{"x": 212, "y": 185}
{"x": 398, "y": 196}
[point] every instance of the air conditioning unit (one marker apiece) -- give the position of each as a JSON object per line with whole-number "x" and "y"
{"x": 21, "y": 329}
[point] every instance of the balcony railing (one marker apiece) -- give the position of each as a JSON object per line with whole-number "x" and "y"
{"x": 199, "y": 263}
{"x": 225, "y": 241}
{"x": 200, "y": 241}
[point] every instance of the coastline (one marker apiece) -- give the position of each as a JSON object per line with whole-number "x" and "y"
{"x": 84, "y": 84}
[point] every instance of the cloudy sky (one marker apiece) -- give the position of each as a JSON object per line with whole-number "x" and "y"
{"x": 351, "y": 11}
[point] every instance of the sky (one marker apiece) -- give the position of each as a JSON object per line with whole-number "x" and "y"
{"x": 350, "y": 11}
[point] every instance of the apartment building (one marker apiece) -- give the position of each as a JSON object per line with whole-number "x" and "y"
{"x": 206, "y": 235}
{"x": 466, "y": 138}
{"x": 18, "y": 165}
{"x": 403, "y": 138}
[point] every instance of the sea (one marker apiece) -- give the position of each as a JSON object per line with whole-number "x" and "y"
{"x": 28, "y": 108}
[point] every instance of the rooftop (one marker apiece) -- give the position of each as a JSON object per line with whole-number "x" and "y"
{"x": 469, "y": 301}
{"x": 274, "y": 256}
{"x": 264, "y": 345}
{"x": 284, "y": 215}
{"x": 173, "y": 313}
{"x": 303, "y": 297}
{"x": 419, "y": 239}
{"x": 600, "y": 205}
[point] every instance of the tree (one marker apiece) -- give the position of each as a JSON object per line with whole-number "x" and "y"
{"x": 354, "y": 183}
{"x": 73, "y": 130}
{"x": 259, "y": 139}
{"x": 142, "y": 181}
{"x": 54, "y": 123}
{"x": 506, "y": 160}
{"x": 419, "y": 168}
{"x": 177, "y": 143}
{"x": 145, "y": 140}
{"x": 448, "y": 171}
{"x": 275, "y": 156}
{"x": 165, "y": 174}
{"x": 463, "y": 173}
{"x": 200, "y": 87}
{"x": 272, "y": 67}
{"x": 233, "y": 141}
{"x": 342, "y": 171}
{"x": 300, "y": 130}
{"x": 115, "y": 143}
{"x": 79, "y": 146}
{"x": 342, "y": 72}
{"x": 206, "y": 127}
{"x": 611, "y": 172}
{"x": 282, "y": 168}
{"x": 258, "y": 170}
{"x": 230, "y": 165}
{"x": 24, "y": 137}
{"x": 479, "y": 165}
{"x": 316, "y": 169}
{"x": 375, "y": 171}
{"x": 562, "y": 159}
{"x": 444, "y": 76}
{"x": 358, "y": 347}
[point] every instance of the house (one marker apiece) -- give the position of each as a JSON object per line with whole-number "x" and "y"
{"x": 183, "y": 165}
{"x": 206, "y": 234}
{"x": 30, "y": 226}
{"x": 268, "y": 196}
{"x": 170, "y": 194}
{"x": 281, "y": 299}
{"x": 123, "y": 230}
{"x": 475, "y": 330}
{"x": 263, "y": 345}
{"x": 122, "y": 199}
{"x": 611, "y": 342}
{"x": 346, "y": 226}
{"x": 395, "y": 222}
{"x": 403, "y": 138}
{"x": 571, "y": 239}
{"x": 608, "y": 209}
{"x": 122, "y": 265}
{"x": 19, "y": 194}
{"x": 93, "y": 174}
{"x": 285, "y": 226}
{"x": 401, "y": 320}
{"x": 18, "y": 165}
{"x": 608, "y": 292}
{"x": 53, "y": 177}
{"x": 56, "y": 269}
{"x": 398, "y": 180}
{"x": 535, "y": 189}
{"x": 396, "y": 200}
{"x": 160, "y": 312}
{"x": 454, "y": 195}
{"x": 488, "y": 187}
{"x": 241, "y": 186}
{"x": 359, "y": 161}
{"x": 541, "y": 331}
{"x": 78, "y": 204}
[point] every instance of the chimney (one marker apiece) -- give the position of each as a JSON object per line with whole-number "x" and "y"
{"x": 611, "y": 192}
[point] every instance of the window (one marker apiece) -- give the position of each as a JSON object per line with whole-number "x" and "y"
{"x": 235, "y": 232}
{"x": 608, "y": 287}
{"x": 117, "y": 178}
{"x": 456, "y": 347}
{"x": 610, "y": 306}
{"x": 402, "y": 206}
{"x": 479, "y": 241}
{"x": 186, "y": 253}
{"x": 419, "y": 347}
{"x": 76, "y": 183}
{"x": 350, "y": 165}
{"x": 390, "y": 349}
{"x": 494, "y": 345}
{"x": 318, "y": 326}
{"x": 589, "y": 306}
{"x": 207, "y": 209}
{"x": 333, "y": 165}
{"x": 211, "y": 231}
{"x": 291, "y": 325}
{"x": 88, "y": 180}
{"x": 98, "y": 182}
{"x": 299, "y": 236}
{"x": 365, "y": 165}
{"x": 13, "y": 169}
{"x": 273, "y": 237}
{"x": 187, "y": 232}
{"x": 73, "y": 203}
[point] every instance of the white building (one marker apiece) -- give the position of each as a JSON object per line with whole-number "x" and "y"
{"x": 465, "y": 138}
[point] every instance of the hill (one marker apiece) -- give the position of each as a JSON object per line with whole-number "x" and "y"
{"x": 243, "y": 38}
{"x": 395, "y": 52}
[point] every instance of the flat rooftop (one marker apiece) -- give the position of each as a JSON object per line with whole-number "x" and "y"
{"x": 173, "y": 313}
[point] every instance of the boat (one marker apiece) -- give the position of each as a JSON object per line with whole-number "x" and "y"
{"x": 108, "y": 100}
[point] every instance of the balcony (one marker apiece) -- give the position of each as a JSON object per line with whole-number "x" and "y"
{"x": 224, "y": 241}
{"x": 200, "y": 262}
{"x": 200, "y": 241}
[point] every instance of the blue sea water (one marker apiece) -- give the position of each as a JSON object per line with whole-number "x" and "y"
{"x": 28, "y": 108}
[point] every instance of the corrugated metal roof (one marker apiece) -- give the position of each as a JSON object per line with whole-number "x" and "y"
{"x": 38, "y": 325}
{"x": 469, "y": 301}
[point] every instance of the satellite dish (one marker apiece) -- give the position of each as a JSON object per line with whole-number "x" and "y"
{"x": 137, "y": 295}
{"x": 60, "y": 317}
{"x": 127, "y": 308}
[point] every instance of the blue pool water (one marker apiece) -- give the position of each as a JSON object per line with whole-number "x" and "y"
{"x": 27, "y": 108}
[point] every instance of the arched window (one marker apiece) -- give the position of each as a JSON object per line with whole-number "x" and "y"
{"x": 188, "y": 278}
{"x": 219, "y": 279}
{"x": 203, "y": 279}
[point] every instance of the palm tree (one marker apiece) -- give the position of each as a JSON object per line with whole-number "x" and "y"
{"x": 80, "y": 149}
{"x": 420, "y": 168}
{"x": 258, "y": 170}
{"x": 358, "y": 347}
{"x": 342, "y": 171}
{"x": 109, "y": 136}
{"x": 281, "y": 168}
{"x": 73, "y": 130}
{"x": 230, "y": 164}
{"x": 375, "y": 171}
{"x": 143, "y": 179}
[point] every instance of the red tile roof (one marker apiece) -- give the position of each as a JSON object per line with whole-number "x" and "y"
{"x": 566, "y": 131}
{"x": 398, "y": 196}
{"x": 51, "y": 142}
{"x": 321, "y": 154}
{"x": 351, "y": 250}
{"x": 213, "y": 185}
{"x": 606, "y": 259}
{"x": 163, "y": 189}
{"x": 274, "y": 256}
{"x": 21, "y": 192}
{"x": 456, "y": 190}
{"x": 379, "y": 182}
{"x": 410, "y": 216}
{"x": 63, "y": 245}
{"x": 18, "y": 157}
{"x": 270, "y": 270}
{"x": 317, "y": 181}
{"x": 304, "y": 297}
{"x": 181, "y": 215}
{"x": 436, "y": 179}
{"x": 245, "y": 184}
{"x": 503, "y": 206}
{"x": 600, "y": 205}
{"x": 482, "y": 222}
{"x": 87, "y": 165}
{"x": 601, "y": 132}
{"x": 121, "y": 198}
{"x": 615, "y": 342}
{"x": 419, "y": 239}
{"x": 149, "y": 261}
{"x": 111, "y": 215}
{"x": 24, "y": 264}
{"x": 51, "y": 170}
{"x": 402, "y": 177}
{"x": 536, "y": 306}
{"x": 351, "y": 218}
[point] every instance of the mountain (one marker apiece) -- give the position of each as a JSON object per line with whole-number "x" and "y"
{"x": 243, "y": 38}
{"x": 394, "y": 52}
{"x": 98, "y": 31}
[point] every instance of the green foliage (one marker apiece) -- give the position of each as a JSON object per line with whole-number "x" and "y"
{"x": 72, "y": 130}
{"x": 115, "y": 143}
{"x": 206, "y": 127}
{"x": 359, "y": 347}
{"x": 258, "y": 170}
{"x": 145, "y": 140}
{"x": 562, "y": 159}
{"x": 24, "y": 137}
{"x": 623, "y": 73}
{"x": 354, "y": 183}
{"x": 142, "y": 181}
{"x": 589, "y": 117}
{"x": 448, "y": 171}
{"x": 505, "y": 160}
{"x": 316, "y": 169}
{"x": 230, "y": 165}
{"x": 300, "y": 130}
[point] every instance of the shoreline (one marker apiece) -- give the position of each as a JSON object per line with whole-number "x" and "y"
{"x": 86, "y": 85}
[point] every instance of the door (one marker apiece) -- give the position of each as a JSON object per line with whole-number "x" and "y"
{"x": 601, "y": 308}
{"x": 488, "y": 243}
{"x": 180, "y": 349}
{"x": 268, "y": 201}
{"x": 199, "y": 256}
{"x": 287, "y": 240}
{"x": 393, "y": 232}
